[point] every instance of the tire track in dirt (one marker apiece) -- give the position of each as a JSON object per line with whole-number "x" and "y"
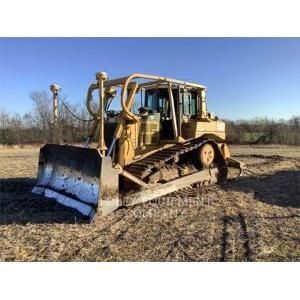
{"x": 235, "y": 239}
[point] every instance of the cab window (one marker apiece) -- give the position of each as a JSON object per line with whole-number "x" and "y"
{"x": 157, "y": 101}
{"x": 189, "y": 104}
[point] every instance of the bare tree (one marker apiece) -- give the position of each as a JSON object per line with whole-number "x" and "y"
{"x": 42, "y": 112}
{"x": 17, "y": 129}
{"x": 30, "y": 130}
{"x": 4, "y": 123}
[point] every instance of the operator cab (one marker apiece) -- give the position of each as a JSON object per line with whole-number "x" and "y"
{"x": 157, "y": 102}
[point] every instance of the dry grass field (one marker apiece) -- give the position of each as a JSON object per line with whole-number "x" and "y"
{"x": 253, "y": 219}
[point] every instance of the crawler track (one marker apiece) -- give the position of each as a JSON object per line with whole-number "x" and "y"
{"x": 144, "y": 167}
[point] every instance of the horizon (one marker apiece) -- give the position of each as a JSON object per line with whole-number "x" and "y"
{"x": 246, "y": 78}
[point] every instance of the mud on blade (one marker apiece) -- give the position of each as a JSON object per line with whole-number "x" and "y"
{"x": 77, "y": 177}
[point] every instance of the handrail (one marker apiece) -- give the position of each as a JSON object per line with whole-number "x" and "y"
{"x": 89, "y": 98}
{"x": 124, "y": 82}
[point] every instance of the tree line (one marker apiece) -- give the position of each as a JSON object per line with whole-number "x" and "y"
{"x": 264, "y": 131}
{"x": 36, "y": 127}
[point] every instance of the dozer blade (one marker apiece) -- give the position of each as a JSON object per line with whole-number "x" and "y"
{"x": 78, "y": 178}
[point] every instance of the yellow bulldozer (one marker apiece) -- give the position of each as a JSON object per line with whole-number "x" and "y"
{"x": 162, "y": 140}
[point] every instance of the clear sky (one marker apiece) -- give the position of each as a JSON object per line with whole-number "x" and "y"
{"x": 246, "y": 77}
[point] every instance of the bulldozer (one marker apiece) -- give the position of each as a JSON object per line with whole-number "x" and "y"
{"x": 160, "y": 140}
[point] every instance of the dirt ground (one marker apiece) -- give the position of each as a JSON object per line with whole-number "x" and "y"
{"x": 253, "y": 219}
